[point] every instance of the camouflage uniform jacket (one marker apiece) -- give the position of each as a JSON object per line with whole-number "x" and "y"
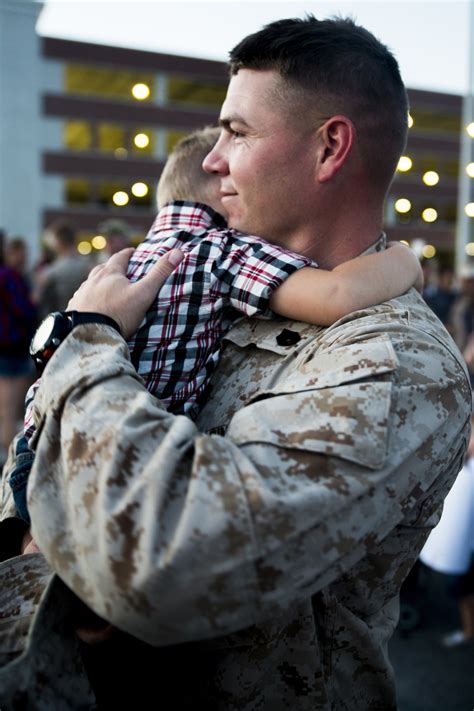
{"x": 261, "y": 550}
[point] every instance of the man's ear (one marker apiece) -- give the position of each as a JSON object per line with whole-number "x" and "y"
{"x": 336, "y": 138}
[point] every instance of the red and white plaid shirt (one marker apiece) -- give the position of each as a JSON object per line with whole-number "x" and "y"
{"x": 224, "y": 275}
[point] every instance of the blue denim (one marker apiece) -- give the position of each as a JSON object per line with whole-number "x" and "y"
{"x": 18, "y": 479}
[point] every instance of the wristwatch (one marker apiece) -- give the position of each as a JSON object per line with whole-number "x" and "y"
{"x": 55, "y": 327}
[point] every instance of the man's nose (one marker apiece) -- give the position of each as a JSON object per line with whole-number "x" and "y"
{"x": 215, "y": 162}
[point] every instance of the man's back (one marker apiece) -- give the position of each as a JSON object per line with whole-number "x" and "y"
{"x": 374, "y": 409}
{"x": 60, "y": 281}
{"x": 371, "y": 401}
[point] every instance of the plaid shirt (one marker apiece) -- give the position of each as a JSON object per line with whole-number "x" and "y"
{"x": 223, "y": 276}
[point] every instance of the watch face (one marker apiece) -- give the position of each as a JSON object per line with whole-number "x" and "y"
{"x": 42, "y": 334}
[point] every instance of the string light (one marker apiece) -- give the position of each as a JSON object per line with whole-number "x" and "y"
{"x": 403, "y": 205}
{"x": 429, "y": 251}
{"x": 140, "y": 189}
{"x": 99, "y": 242}
{"x": 431, "y": 178}
{"x": 429, "y": 215}
{"x": 141, "y": 140}
{"x": 120, "y": 198}
{"x": 404, "y": 164}
{"x": 84, "y": 248}
{"x": 140, "y": 91}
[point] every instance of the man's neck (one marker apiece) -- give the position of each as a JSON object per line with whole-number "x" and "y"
{"x": 332, "y": 244}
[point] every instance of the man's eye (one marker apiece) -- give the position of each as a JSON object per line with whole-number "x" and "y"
{"x": 236, "y": 134}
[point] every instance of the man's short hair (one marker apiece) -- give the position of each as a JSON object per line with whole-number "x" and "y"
{"x": 183, "y": 177}
{"x": 335, "y": 67}
{"x": 114, "y": 226}
{"x": 63, "y": 232}
{"x": 16, "y": 244}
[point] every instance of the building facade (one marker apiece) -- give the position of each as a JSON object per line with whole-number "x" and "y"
{"x": 86, "y": 128}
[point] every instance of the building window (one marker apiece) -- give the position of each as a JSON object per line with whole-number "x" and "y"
{"x": 76, "y": 191}
{"x": 435, "y": 121}
{"x": 110, "y": 137}
{"x": 89, "y": 80}
{"x": 78, "y": 135}
{"x": 188, "y": 91}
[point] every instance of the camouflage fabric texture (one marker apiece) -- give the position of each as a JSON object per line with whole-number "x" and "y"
{"x": 269, "y": 540}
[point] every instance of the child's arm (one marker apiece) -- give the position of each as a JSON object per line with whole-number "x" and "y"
{"x": 322, "y": 297}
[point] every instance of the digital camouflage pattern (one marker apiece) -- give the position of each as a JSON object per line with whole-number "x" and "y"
{"x": 268, "y": 541}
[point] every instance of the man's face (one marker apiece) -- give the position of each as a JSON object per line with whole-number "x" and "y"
{"x": 265, "y": 159}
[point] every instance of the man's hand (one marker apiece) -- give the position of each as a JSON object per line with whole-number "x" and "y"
{"x": 108, "y": 291}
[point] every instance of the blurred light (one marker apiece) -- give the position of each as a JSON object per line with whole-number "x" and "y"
{"x": 429, "y": 215}
{"x": 431, "y": 177}
{"x": 99, "y": 242}
{"x": 120, "y": 153}
{"x": 120, "y": 198}
{"x": 470, "y": 129}
{"x": 410, "y": 120}
{"x": 84, "y": 247}
{"x": 470, "y": 170}
{"x": 418, "y": 246}
{"x": 402, "y": 205}
{"x": 140, "y": 91}
{"x": 140, "y": 189}
{"x": 429, "y": 251}
{"x": 469, "y": 249}
{"x": 405, "y": 163}
{"x": 141, "y": 140}
{"x": 403, "y": 241}
{"x": 469, "y": 209}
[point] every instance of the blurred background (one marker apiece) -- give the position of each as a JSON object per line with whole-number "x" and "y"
{"x": 94, "y": 95}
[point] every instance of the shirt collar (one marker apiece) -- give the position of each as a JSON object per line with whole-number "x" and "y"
{"x": 182, "y": 214}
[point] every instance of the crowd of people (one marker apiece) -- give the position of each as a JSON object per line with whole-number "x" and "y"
{"x": 451, "y": 298}
{"x": 244, "y": 431}
{"x": 30, "y": 291}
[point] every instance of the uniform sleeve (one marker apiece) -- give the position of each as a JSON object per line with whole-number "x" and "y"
{"x": 262, "y": 268}
{"x": 174, "y": 535}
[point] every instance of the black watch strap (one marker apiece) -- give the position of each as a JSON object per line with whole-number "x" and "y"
{"x": 81, "y": 317}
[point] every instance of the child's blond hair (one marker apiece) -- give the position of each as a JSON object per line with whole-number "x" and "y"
{"x": 183, "y": 177}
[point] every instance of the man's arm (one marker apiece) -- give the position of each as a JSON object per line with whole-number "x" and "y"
{"x": 322, "y": 297}
{"x": 174, "y": 535}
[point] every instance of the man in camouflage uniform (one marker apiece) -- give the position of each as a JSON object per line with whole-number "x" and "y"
{"x": 253, "y": 560}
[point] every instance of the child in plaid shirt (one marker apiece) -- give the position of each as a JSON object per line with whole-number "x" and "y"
{"x": 224, "y": 276}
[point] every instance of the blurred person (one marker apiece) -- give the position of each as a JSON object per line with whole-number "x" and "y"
{"x": 461, "y": 317}
{"x": 16, "y": 255}
{"x": 440, "y": 298}
{"x": 450, "y": 547}
{"x": 262, "y": 547}
{"x": 117, "y": 234}
{"x": 58, "y": 281}
{"x": 17, "y": 325}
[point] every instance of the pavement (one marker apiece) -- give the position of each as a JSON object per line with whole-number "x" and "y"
{"x": 430, "y": 676}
